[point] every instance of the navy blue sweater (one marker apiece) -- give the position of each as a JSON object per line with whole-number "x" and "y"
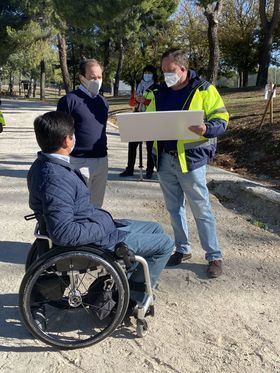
{"x": 58, "y": 195}
{"x": 90, "y": 115}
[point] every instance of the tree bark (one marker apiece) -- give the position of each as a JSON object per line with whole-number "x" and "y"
{"x": 42, "y": 80}
{"x": 34, "y": 88}
{"x": 268, "y": 30}
{"x": 245, "y": 78}
{"x": 240, "y": 78}
{"x": 11, "y": 84}
{"x": 74, "y": 66}
{"x": 19, "y": 84}
{"x": 119, "y": 68}
{"x": 106, "y": 60}
{"x": 212, "y": 15}
{"x": 62, "y": 51}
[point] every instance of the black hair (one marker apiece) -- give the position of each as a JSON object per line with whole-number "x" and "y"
{"x": 180, "y": 56}
{"x": 88, "y": 62}
{"x": 153, "y": 70}
{"x": 51, "y": 130}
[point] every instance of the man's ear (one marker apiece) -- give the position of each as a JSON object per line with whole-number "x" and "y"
{"x": 82, "y": 78}
{"x": 65, "y": 143}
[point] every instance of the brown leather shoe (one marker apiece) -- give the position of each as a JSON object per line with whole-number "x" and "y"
{"x": 214, "y": 269}
{"x": 177, "y": 258}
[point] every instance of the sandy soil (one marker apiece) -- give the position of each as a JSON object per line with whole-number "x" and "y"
{"x": 231, "y": 324}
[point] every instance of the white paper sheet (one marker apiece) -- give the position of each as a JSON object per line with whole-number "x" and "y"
{"x": 159, "y": 125}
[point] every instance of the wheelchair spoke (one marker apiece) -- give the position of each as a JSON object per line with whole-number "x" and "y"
{"x": 59, "y": 277}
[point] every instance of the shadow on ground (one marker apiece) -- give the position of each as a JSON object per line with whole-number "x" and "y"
{"x": 13, "y": 328}
{"x": 13, "y": 252}
{"x": 113, "y": 175}
{"x": 14, "y": 173}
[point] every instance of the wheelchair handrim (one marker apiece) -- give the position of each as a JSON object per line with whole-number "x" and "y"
{"x": 28, "y": 286}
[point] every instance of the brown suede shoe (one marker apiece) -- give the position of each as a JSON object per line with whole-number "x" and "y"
{"x": 214, "y": 269}
{"x": 177, "y": 258}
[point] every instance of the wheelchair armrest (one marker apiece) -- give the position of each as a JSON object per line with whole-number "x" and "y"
{"x": 37, "y": 234}
{"x": 122, "y": 251}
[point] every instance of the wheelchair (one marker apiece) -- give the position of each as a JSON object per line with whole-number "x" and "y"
{"x": 74, "y": 297}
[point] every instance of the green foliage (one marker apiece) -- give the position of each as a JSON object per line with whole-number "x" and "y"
{"x": 193, "y": 36}
{"x": 238, "y": 36}
{"x": 259, "y": 224}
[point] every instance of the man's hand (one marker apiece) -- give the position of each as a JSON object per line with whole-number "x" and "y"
{"x": 199, "y": 130}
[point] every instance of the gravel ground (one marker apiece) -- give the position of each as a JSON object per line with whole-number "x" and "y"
{"x": 230, "y": 324}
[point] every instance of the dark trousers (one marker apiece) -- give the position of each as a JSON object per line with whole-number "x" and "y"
{"x": 132, "y": 149}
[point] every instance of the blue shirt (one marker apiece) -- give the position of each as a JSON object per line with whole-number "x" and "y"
{"x": 64, "y": 158}
{"x": 90, "y": 115}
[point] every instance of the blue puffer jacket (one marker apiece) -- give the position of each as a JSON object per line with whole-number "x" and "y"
{"x": 59, "y": 195}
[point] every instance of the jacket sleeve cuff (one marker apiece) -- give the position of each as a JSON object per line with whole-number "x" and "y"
{"x": 214, "y": 128}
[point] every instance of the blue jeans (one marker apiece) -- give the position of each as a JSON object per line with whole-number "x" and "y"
{"x": 176, "y": 186}
{"x": 148, "y": 240}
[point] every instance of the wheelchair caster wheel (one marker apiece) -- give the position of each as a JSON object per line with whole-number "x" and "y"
{"x": 151, "y": 311}
{"x": 141, "y": 328}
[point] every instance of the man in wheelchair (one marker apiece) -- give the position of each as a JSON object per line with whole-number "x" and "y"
{"x": 60, "y": 199}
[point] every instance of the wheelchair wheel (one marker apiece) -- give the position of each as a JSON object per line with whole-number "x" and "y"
{"x": 32, "y": 255}
{"x": 73, "y": 298}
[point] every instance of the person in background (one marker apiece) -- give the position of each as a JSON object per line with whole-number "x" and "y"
{"x": 144, "y": 92}
{"x": 2, "y": 120}
{"x": 90, "y": 112}
{"x": 181, "y": 164}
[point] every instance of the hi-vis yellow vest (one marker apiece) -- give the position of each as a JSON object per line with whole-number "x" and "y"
{"x": 2, "y": 120}
{"x": 205, "y": 97}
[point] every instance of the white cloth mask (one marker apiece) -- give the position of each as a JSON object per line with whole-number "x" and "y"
{"x": 93, "y": 86}
{"x": 171, "y": 79}
{"x": 147, "y": 77}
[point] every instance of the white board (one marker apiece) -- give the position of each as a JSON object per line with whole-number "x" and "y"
{"x": 159, "y": 125}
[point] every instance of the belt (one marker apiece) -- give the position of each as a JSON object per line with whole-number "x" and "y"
{"x": 174, "y": 153}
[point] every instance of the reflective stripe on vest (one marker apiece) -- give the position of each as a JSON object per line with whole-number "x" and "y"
{"x": 200, "y": 144}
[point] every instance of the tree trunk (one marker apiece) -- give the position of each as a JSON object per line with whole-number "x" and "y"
{"x": 74, "y": 66}
{"x": 212, "y": 12}
{"x": 34, "y": 88}
{"x": 62, "y": 51}
{"x": 119, "y": 68}
{"x": 268, "y": 28}
{"x": 245, "y": 78}
{"x": 214, "y": 52}
{"x": 11, "y": 84}
{"x": 42, "y": 80}
{"x": 264, "y": 60}
{"x": 19, "y": 84}
{"x": 106, "y": 60}
{"x": 239, "y": 78}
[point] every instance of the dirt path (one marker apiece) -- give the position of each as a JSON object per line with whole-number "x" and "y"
{"x": 230, "y": 324}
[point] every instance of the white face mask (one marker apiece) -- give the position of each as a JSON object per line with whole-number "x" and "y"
{"x": 171, "y": 79}
{"x": 93, "y": 86}
{"x": 74, "y": 143}
{"x": 147, "y": 77}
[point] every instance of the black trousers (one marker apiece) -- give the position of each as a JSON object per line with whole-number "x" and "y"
{"x": 132, "y": 149}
